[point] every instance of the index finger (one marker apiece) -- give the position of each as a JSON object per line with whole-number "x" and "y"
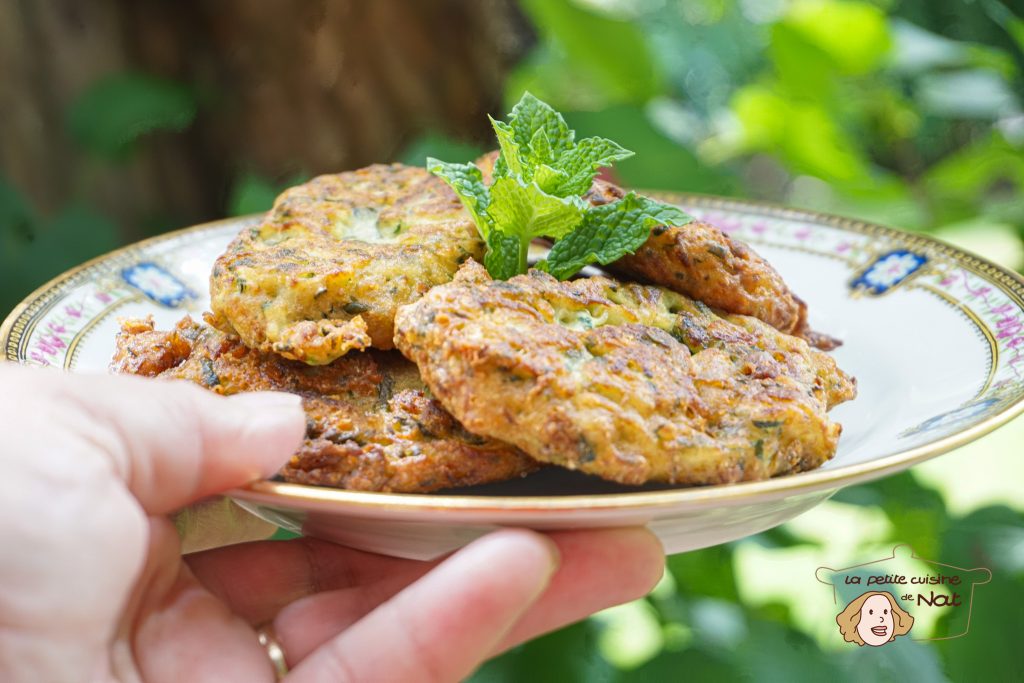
{"x": 172, "y": 443}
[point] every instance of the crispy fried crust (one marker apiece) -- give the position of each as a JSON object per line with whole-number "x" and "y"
{"x": 326, "y": 270}
{"x": 702, "y": 262}
{"x": 370, "y": 424}
{"x": 628, "y": 382}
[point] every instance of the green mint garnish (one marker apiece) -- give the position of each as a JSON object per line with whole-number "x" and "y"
{"x": 538, "y": 181}
{"x": 608, "y": 233}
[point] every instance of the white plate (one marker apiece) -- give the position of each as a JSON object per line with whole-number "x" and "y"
{"x": 934, "y": 336}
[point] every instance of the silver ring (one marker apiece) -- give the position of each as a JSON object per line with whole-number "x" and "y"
{"x": 268, "y": 640}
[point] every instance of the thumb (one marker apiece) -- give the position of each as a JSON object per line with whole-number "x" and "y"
{"x": 171, "y": 442}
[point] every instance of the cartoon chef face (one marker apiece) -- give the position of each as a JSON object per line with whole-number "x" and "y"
{"x": 876, "y": 623}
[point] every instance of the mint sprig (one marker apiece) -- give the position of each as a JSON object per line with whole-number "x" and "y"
{"x": 608, "y": 233}
{"x": 536, "y": 191}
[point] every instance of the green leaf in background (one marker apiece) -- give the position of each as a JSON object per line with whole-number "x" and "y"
{"x": 630, "y": 635}
{"x": 612, "y": 53}
{"x": 852, "y": 36}
{"x": 802, "y": 68}
{"x": 776, "y": 652}
{"x": 114, "y": 112}
{"x": 708, "y": 572}
{"x": 991, "y": 537}
{"x": 763, "y": 114}
{"x": 1011, "y": 23}
{"x": 570, "y": 654}
{"x": 972, "y": 180}
{"x": 659, "y": 163}
{"x": 804, "y": 132}
{"x": 251, "y": 194}
{"x": 914, "y": 509}
{"x": 17, "y": 229}
{"x": 550, "y": 74}
{"x": 816, "y": 144}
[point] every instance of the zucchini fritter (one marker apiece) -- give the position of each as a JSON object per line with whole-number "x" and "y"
{"x": 702, "y": 262}
{"x": 629, "y": 382}
{"x": 370, "y": 424}
{"x": 332, "y": 261}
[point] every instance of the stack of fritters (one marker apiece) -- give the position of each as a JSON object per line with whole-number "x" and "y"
{"x": 370, "y": 423}
{"x": 633, "y": 383}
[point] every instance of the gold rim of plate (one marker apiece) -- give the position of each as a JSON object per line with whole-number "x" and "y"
{"x": 789, "y": 485}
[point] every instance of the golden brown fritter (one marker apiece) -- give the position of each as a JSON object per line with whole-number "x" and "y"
{"x": 702, "y": 262}
{"x": 370, "y": 424}
{"x": 329, "y": 265}
{"x": 629, "y": 382}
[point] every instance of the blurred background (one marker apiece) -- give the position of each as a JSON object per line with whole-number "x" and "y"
{"x": 121, "y": 120}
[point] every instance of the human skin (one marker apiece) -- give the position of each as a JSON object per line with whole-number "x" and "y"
{"x": 876, "y": 624}
{"x": 93, "y": 585}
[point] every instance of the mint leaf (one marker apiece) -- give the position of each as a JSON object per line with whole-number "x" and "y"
{"x": 574, "y": 171}
{"x": 581, "y": 163}
{"x": 500, "y": 169}
{"x": 540, "y": 149}
{"x": 504, "y": 257}
{"x": 531, "y": 115}
{"x": 536, "y": 187}
{"x": 527, "y": 212}
{"x": 511, "y": 155}
{"x": 609, "y": 232}
{"x": 468, "y": 183}
{"x": 552, "y": 181}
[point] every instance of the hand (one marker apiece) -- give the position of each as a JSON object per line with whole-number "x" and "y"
{"x": 93, "y": 585}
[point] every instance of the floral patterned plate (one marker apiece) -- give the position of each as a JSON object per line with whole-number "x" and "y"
{"x": 934, "y": 336}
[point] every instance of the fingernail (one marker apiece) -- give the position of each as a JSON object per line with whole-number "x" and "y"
{"x": 276, "y": 421}
{"x": 554, "y": 555}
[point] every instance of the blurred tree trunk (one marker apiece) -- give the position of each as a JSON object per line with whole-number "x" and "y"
{"x": 284, "y": 86}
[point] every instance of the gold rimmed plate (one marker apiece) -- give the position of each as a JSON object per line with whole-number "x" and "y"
{"x": 934, "y": 335}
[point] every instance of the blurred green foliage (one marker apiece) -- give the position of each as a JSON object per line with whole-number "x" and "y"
{"x": 907, "y": 112}
{"x": 858, "y": 108}
{"x": 113, "y": 113}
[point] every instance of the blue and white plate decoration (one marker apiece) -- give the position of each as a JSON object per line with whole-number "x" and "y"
{"x": 157, "y": 283}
